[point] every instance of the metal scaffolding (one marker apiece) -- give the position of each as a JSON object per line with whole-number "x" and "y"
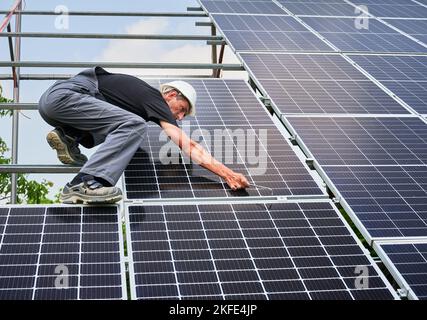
{"x": 15, "y": 63}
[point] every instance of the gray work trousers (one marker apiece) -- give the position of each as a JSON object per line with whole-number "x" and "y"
{"x": 77, "y": 106}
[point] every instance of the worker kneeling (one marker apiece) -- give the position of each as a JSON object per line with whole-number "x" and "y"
{"x": 96, "y": 106}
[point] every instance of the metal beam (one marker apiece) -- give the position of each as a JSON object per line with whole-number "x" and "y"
{"x": 110, "y": 13}
{"x": 109, "y": 36}
{"x": 203, "y": 23}
{"x": 20, "y": 168}
{"x": 125, "y": 65}
{"x": 28, "y": 76}
{"x": 18, "y": 106}
{"x": 195, "y": 9}
{"x": 16, "y": 97}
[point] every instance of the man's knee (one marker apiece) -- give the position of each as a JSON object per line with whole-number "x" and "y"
{"x": 137, "y": 124}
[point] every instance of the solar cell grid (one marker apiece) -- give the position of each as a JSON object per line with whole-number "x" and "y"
{"x": 363, "y": 141}
{"x": 412, "y": 27}
{"x": 249, "y": 7}
{"x": 404, "y": 9}
{"x": 267, "y": 33}
{"x": 319, "y": 9}
{"x": 410, "y": 260}
{"x": 405, "y": 76}
{"x": 347, "y": 34}
{"x": 302, "y": 83}
{"x": 394, "y": 67}
{"x": 389, "y": 201}
{"x": 246, "y": 250}
{"x": 61, "y": 253}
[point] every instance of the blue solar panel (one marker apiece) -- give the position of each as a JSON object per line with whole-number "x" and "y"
{"x": 410, "y": 26}
{"x": 252, "y": 7}
{"x": 389, "y": 201}
{"x": 255, "y": 251}
{"x": 398, "y": 68}
{"x": 61, "y": 253}
{"x": 267, "y": 33}
{"x": 404, "y": 9}
{"x": 301, "y": 83}
{"x": 410, "y": 261}
{"x": 363, "y": 141}
{"x": 416, "y": 28}
{"x": 346, "y": 35}
{"x": 405, "y": 76}
{"x": 319, "y": 9}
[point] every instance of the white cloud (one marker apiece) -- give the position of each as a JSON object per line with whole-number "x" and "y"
{"x": 163, "y": 51}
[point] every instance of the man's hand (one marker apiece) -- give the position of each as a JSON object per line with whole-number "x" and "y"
{"x": 202, "y": 157}
{"x": 236, "y": 181}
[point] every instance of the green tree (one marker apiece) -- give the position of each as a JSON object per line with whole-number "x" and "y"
{"x": 29, "y": 191}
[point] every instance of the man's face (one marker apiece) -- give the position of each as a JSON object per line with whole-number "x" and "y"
{"x": 177, "y": 104}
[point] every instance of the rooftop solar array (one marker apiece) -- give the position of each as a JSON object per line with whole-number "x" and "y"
{"x": 408, "y": 261}
{"x": 247, "y": 251}
{"x": 356, "y": 107}
{"x": 61, "y": 253}
{"x": 233, "y": 125}
{"x": 324, "y": 84}
{"x": 267, "y": 33}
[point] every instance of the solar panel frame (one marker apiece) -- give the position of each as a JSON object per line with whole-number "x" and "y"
{"x": 36, "y": 249}
{"x": 285, "y": 174}
{"x": 224, "y": 281}
{"x": 415, "y": 268}
{"x": 335, "y": 85}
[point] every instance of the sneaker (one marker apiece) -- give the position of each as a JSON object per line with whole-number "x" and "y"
{"x": 90, "y": 191}
{"x": 67, "y": 148}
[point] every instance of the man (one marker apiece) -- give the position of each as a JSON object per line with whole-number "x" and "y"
{"x": 95, "y": 107}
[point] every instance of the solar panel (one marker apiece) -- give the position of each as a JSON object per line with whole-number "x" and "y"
{"x": 416, "y": 28}
{"x": 405, "y": 76}
{"x": 389, "y": 201}
{"x": 347, "y": 35}
{"x": 400, "y": 68}
{"x": 408, "y": 261}
{"x": 404, "y": 9}
{"x": 306, "y": 84}
{"x": 252, "y": 7}
{"x": 267, "y": 33}
{"x": 61, "y": 253}
{"x": 319, "y": 9}
{"x": 236, "y": 129}
{"x": 255, "y": 251}
{"x": 363, "y": 141}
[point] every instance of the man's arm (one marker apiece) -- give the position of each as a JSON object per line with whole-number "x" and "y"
{"x": 199, "y": 155}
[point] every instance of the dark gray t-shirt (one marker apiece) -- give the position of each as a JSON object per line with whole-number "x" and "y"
{"x": 134, "y": 95}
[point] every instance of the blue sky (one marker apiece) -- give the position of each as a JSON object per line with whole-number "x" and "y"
{"x": 33, "y": 148}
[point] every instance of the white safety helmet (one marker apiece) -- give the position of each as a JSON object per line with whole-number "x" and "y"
{"x": 185, "y": 89}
